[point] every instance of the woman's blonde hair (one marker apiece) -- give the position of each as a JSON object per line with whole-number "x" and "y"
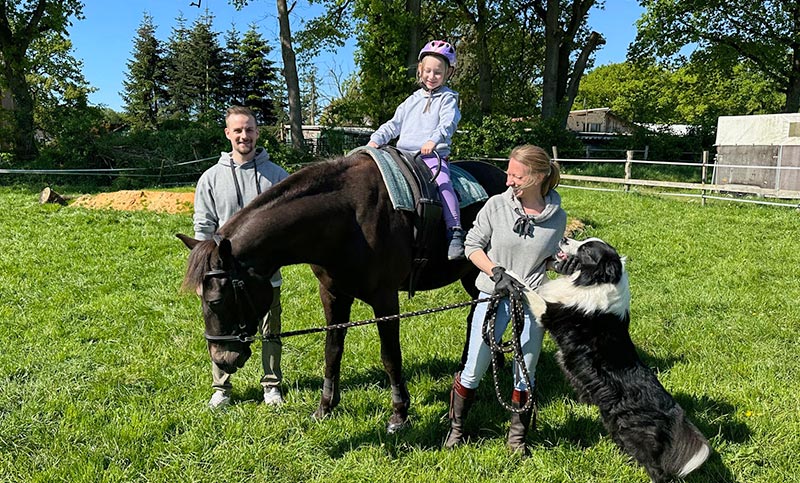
{"x": 538, "y": 161}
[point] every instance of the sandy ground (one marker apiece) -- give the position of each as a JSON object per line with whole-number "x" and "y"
{"x": 129, "y": 200}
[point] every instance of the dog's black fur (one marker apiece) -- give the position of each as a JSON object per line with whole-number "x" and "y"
{"x": 587, "y": 314}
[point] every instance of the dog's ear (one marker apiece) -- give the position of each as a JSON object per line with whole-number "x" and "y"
{"x": 612, "y": 269}
{"x": 599, "y": 263}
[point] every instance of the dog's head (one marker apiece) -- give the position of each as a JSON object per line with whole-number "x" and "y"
{"x": 596, "y": 261}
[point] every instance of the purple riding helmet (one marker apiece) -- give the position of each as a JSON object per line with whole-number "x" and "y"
{"x": 440, "y": 48}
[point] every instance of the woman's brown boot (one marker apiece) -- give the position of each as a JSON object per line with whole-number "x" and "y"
{"x": 461, "y": 400}
{"x": 520, "y": 423}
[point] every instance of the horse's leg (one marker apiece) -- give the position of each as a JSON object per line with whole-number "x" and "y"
{"x": 337, "y": 310}
{"x": 392, "y": 358}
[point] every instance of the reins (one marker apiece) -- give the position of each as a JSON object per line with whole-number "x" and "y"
{"x": 347, "y": 325}
{"x": 514, "y": 345}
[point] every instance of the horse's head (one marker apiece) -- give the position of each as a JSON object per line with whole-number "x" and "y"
{"x": 234, "y": 299}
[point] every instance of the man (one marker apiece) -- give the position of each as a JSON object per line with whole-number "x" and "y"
{"x": 222, "y": 190}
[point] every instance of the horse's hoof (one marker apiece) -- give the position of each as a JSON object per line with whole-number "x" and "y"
{"x": 320, "y": 414}
{"x": 395, "y": 424}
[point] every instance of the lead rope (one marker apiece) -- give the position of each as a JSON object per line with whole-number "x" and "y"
{"x": 347, "y": 325}
{"x": 514, "y": 346}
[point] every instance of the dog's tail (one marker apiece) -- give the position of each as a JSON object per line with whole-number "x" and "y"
{"x": 688, "y": 451}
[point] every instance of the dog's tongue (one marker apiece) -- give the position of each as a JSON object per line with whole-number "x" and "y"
{"x": 561, "y": 255}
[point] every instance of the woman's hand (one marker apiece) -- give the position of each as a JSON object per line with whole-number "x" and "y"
{"x": 505, "y": 285}
{"x": 427, "y": 148}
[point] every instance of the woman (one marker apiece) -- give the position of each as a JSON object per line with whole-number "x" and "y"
{"x": 518, "y": 231}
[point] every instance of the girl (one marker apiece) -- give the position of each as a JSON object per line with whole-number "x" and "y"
{"x": 425, "y": 122}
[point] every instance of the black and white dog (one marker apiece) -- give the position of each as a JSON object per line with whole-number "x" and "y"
{"x": 587, "y": 313}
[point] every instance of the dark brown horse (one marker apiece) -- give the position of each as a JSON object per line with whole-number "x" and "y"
{"x": 337, "y": 217}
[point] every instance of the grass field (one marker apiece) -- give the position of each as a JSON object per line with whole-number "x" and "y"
{"x": 105, "y": 374}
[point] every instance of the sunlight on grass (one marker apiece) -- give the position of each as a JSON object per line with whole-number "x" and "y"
{"x": 106, "y": 375}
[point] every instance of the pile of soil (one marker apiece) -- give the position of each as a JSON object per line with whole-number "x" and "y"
{"x": 173, "y": 202}
{"x": 134, "y": 200}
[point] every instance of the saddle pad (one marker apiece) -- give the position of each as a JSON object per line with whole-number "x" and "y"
{"x": 467, "y": 188}
{"x": 396, "y": 185}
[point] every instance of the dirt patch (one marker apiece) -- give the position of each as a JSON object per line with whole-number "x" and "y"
{"x": 173, "y": 202}
{"x": 574, "y": 228}
{"x": 135, "y": 200}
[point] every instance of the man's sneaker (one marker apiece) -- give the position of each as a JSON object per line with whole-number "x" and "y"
{"x": 219, "y": 400}
{"x": 272, "y": 396}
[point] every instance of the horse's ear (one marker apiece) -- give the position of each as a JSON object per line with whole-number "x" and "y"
{"x": 225, "y": 252}
{"x": 187, "y": 240}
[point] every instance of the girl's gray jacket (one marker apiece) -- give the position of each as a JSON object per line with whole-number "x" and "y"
{"x": 415, "y": 125}
{"x": 493, "y": 232}
{"x": 215, "y": 200}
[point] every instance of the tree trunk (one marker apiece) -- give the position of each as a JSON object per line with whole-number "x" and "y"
{"x": 484, "y": 62}
{"x": 595, "y": 40}
{"x": 24, "y": 127}
{"x": 290, "y": 74}
{"x": 49, "y": 196}
{"x": 413, "y": 8}
{"x": 552, "y": 42}
{"x": 560, "y": 79}
{"x": 793, "y": 86}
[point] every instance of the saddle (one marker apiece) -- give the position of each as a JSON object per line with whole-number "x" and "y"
{"x": 425, "y": 201}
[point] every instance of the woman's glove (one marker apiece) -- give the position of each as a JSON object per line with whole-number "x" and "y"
{"x": 505, "y": 285}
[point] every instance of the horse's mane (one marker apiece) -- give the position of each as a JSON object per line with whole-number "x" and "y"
{"x": 197, "y": 265}
{"x": 316, "y": 178}
{"x": 321, "y": 177}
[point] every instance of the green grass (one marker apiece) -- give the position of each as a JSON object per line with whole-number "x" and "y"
{"x": 105, "y": 373}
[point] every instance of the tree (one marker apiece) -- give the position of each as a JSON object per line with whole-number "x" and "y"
{"x": 251, "y": 75}
{"x": 499, "y": 57}
{"x": 290, "y": 75}
{"x": 382, "y": 56}
{"x": 145, "y": 84}
{"x": 195, "y": 71}
{"x": 767, "y": 34}
{"x": 66, "y": 126}
{"x": 179, "y": 72}
{"x": 207, "y": 72}
{"x": 564, "y": 33}
{"x": 637, "y": 92}
{"x": 646, "y": 92}
{"x": 21, "y": 23}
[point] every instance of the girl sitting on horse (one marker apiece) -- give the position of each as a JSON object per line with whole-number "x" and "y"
{"x": 425, "y": 122}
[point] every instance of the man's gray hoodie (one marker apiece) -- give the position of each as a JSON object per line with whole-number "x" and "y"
{"x": 523, "y": 254}
{"x": 215, "y": 198}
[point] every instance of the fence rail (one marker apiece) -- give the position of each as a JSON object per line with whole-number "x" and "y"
{"x": 705, "y": 189}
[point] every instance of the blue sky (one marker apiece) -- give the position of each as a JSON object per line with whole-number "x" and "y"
{"x": 103, "y": 41}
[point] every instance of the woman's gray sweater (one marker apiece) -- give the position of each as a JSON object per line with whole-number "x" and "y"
{"x": 525, "y": 255}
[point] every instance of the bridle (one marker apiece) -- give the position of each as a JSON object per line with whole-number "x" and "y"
{"x": 239, "y": 292}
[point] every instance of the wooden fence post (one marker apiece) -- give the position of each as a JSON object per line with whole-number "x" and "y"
{"x": 628, "y": 159}
{"x": 555, "y": 152}
{"x": 703, "y": 179}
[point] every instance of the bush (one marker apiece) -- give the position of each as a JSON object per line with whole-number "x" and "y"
{"x": 496, "y": 136}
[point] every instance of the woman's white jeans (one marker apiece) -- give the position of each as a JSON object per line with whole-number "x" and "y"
{"x": 479, "y": 355}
